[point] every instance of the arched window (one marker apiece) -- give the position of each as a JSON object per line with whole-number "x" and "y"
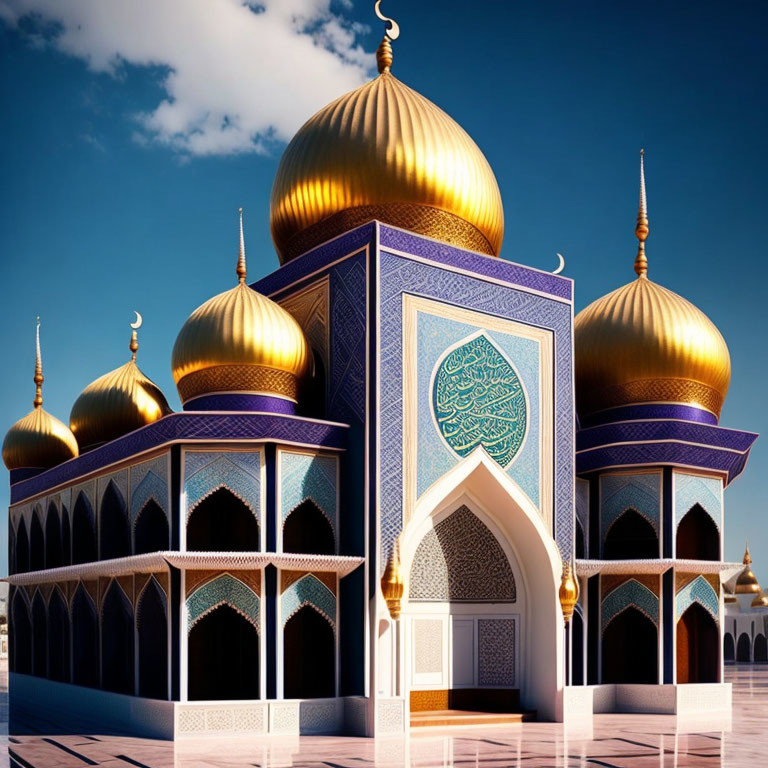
{"x": 761, "y": 648}
{"x": 39, "y": 636}
{"x": 630, "y": 537}
{"x": 36, "y": 543}
{"x": 580, "y": 542}
{"x": 307, "y": 530}
{"x": 151, "y": 532}
{"x": 744, "y": 648}
{"x": 58, "y": 638}
{"x": 22, "y": 548}
{"x": 630, "y": 649}
{"x": 223, "y": 649}
{"x": 697, "y": 646}
{"x": 52, "y": 538}
{"x": 66, "y": 541}
{"x": 223, "y": 523}
{"x": 577, "y": 649}
{"x": 729, "y": 649}
{"x": 114, "y": 529}
{"x": 153, "y": 642}
{"x": 117, "y": 641}
{"x": 697, "y": 536}
{"x": 83, "y": 532}
{"x": 21, "y": 645}
{"x": 309, "y": 656}
{"x": 85, "y": 640}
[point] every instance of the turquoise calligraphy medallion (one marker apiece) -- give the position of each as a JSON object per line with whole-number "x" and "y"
{"x": 478, "y": 400}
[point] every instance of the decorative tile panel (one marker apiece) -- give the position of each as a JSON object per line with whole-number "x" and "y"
{"x": 310, "y": 309}
{"x": 460, "y": 560}
{"x": 221, "y": 590}
{"x": 640, "y": 492}
{"x": 304, "y": 476}
{"x": 308, "y": 591}
{"x": 496, "y": 652}
{"x": 151, "y": 486}
{"x": 630, "y": 593}
{"x": 427, "y": 646}
{"x": 697, "y": 591}
{"x": 695, "y": 489}
{"x": 239, "y": 472}
{"x": 120, "y": 479}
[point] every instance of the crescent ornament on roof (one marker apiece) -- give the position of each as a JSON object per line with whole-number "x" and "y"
{"x": 393, "y": 30}
{"x": 561, "y": 265}
{"x": 138, "y": 322}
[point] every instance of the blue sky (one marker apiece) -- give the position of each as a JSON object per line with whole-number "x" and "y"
{"x": 128, "y": 140}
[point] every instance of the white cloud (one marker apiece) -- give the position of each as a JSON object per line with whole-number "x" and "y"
{"x": 237, "y": 75}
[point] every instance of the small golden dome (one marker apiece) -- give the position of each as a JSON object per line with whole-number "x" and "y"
{"x": 747, "y": 582}
{"x": 642, "y": 343}
{"x": 385, "y": 152}
{"x": 117, "y": 403}
{"x": 731, "y": 599}
{"x": 39, "y": 440}
{"x": 760, "y": 601}
{"x": 240, "y": 342}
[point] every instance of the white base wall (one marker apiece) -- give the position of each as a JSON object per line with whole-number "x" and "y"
{"x": 683, "y": 699}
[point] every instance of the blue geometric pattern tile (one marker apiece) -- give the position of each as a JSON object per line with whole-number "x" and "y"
{"x": 223, "y": 589}
{"x": 694, "y": 489}
{"x": 206, "y": 472}
{"x": 697, "y": 591}
{"x": 308, "y": 477}
{"x": 150, "y": 487}
{"x": 630, "y": 593}
{"x": 308, "y": 590}
{"x": 619, "y": 493}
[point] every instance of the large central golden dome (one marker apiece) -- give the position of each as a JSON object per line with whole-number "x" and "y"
{"x": 384, "y": 152}
{"x": 642, "y": 343}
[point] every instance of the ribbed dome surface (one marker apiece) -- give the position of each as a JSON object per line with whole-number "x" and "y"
{"x": 239, "y": 341}
{"x": 643, "y": 343}
{"x": 38, "y": 441}
{"x": 384, "y": 151}
{"x": 114, "y": 404}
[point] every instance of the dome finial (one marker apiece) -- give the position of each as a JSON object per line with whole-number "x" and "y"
{"x": 641, "y": 230}
{"x": 38, "y": 401}
{"x": 747, "y": 559}
{"x": 384, "y": 55}
{"x": 134, "y": 345}
{"x": 241, "y": 269}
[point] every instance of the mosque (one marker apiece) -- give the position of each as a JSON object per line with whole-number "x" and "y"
{"x": 406, "y": 482}
{"x": 745, "y": 626}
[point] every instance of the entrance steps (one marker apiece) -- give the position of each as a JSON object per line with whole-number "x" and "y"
{"x": 467, "y": 706}
{"x": 454, "y": 717}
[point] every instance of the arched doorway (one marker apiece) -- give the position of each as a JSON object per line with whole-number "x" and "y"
{"x": 151, "y": 533}
{"x": 117, "y": 641}
{"x": 761, "y": 648}
{"x": 39, "y": 636}
{"x": 697, "y": 646}
{"x": 58, "y": 638}
{"x": 222, "y": 523}
{"x": 743, "y": 648}
{"x": 22, "y": 548}
{"x": 729, "y": 648}
{"x": 223, "y": 652}
{"x": 697, "y": 536}
{"x": 83, "y": 532}
{"x": 114, "y": 529}
{"x": 153, "y": 642}
{"x": 36, "y": 543}
{"x": 21, "y": 646}
{"x": 630, "y": 649}
{"x": 52, "y": 538}
{"x": 309, "y": 656}
{"x": 85, "y": 640}
{"x": 630, "y": 537}
{"x": 577, "y": 649}
{"x": 308, "y": 530}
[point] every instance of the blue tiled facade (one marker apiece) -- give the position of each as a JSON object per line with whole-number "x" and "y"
{"x": 308, "y": 590}
{"x": 630, "y": 593}
{"x": 695, "y": 489}
{"x": 223, "y": 589}
{"x": 641, "y": 492}
{"x": 698, "y": 591}
{"x": 305, "y": 476}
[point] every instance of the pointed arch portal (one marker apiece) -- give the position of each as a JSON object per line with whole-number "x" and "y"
{"x": 222, "y": 523}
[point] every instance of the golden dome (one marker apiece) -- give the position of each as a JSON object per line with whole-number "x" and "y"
{"x": 117, "y": 403}
{"x": 760, "y": 601}
{"x": 240, "y": 342}
{"x": 642, "y": 343}
{"x": 747, "y": 582}
{"x": 384, "y": 152}
{"x": 39, "y": 440}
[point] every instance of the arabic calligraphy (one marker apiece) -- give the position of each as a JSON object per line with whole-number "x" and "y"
{"x": 478, "y": 399}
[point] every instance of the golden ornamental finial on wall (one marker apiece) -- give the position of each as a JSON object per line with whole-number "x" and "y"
{"x": 392, "y": 584}
{"x": 569, "y": 592}
{"x": 641, "y": 230}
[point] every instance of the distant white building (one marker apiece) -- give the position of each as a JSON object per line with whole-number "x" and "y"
{"x": 745, "y": 624}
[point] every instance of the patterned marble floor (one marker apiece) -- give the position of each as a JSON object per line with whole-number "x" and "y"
{"x": 616, "y": 741}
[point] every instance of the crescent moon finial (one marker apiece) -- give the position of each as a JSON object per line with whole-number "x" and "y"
{"x": 134, "y": 345}
{"x": 384, "y": 56}
{"x": 561, "y": 265}
{"x": 393, "y": 28}
{"x": 139, "y": 321}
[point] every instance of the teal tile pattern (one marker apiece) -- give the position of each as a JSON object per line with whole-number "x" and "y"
{"x": 308, "y": 590}
{"x": 224, "y": 589}
{"x": 618, "y": 493}
{"x": 694, "y": 489}
{"x": 302, "y": 477}
{"x": 239, "y": 472}
{"x": 697, "y": 591}
{"x": 630, "y": 593}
